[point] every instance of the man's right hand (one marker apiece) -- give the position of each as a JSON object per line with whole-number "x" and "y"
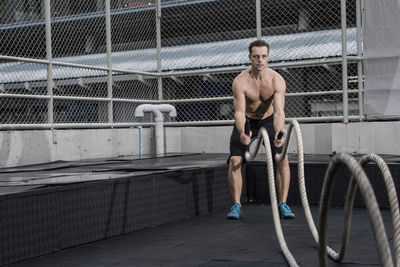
{"x": 245, "y": 139}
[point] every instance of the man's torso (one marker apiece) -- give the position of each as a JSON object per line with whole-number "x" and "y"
{"x": 259, "y": 94}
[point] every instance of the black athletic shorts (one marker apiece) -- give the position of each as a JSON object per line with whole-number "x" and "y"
{"x": 238, "y": 149}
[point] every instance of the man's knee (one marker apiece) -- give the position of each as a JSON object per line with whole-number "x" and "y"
{"x": 284, "y": 163}
{"x": 235, "y": 162}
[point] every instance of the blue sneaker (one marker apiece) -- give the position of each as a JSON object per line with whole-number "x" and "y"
{"x": 285, "y": 212}
{"x": 235, "y": 212}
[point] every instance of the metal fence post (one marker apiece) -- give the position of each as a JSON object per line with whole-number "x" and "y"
{"x": 344, "y": 63}
{"x": 158, "y": 33}
{"x": 109, "y": 63}
{"x": 49, "y": 56}
{"x": 360, "y": 72}
{"x": 258, "y": 18}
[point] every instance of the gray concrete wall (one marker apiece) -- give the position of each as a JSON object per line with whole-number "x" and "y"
{"x": 318, "y": 138}
{"x": 366, "y": 137}
{"x": 38, "y": 146}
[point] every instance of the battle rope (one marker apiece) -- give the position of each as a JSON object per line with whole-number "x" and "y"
{"x": 368, "y": 195}
{"x": 263, "y": 135}
{"x": 359, "y": 178}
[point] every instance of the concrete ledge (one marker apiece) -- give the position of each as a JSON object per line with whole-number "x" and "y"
{"x": 38, "y": 146}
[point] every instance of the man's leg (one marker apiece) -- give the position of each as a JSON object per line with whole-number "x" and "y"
{"x": 282, "y": 184}
{"x": 235, "y": 178}
{"x": 235, "y": 186}
{"x": 283, "y": 179}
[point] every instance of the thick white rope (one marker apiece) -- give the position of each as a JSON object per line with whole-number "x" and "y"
{"x": 393, "y": 200}
{"x": 375, "y": 217}
{"x": 263, "y": 135}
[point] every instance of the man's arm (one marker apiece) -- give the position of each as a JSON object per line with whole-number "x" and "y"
{"x": 239, "y": 103}
{"x": 279, "y": 105}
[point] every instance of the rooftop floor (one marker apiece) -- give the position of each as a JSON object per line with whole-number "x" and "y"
{"x": 205, "y": 240}
{"x": 211, "y": 240}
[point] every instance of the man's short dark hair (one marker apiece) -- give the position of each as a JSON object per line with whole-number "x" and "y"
{"x": 258, "y": 43}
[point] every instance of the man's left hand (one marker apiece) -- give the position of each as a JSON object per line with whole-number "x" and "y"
{"x": 279, "y": 142}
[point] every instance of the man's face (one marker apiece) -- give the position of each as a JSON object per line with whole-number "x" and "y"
{"x": 259, "y": 57}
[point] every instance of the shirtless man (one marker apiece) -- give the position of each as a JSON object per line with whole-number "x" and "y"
{"x": 259, "y": 96}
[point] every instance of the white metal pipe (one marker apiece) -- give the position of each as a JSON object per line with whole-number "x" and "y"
{"x": 140, "y": 141}
{"x": 167, "y": 108}
{"x": 157, "y": 111}
{"x": 159, "y": 128}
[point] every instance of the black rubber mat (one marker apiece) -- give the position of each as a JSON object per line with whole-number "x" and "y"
{"x": 49, "y": 207}
{"x": 47, "y": 219}
{"x": 212, "y": 241}
{"x": 315, "y": 167}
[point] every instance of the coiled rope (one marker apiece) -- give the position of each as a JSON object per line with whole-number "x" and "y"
{"x": 358, "y": 179}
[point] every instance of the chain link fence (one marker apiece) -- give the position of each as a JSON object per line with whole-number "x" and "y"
{"x": 80, "y": 62}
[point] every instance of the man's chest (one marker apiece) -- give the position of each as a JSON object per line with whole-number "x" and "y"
{"x": 259, "y": 92}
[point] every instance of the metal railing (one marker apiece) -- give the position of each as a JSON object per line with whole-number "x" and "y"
{"x": 74, "y": 65}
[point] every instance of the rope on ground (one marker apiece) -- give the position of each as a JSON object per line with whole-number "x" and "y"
{"x": 263, "y": 135}
{"x": 359, "y": 179}
{"x": 368, "y": 195}
{"x": 393, "y": 200}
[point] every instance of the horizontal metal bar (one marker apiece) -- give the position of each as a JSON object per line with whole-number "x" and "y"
{"x": 382, "y": 117}
{"x": 276, "y": 65}
{"x": 336, "y": 92}
{"x": 199, "y": 123}
{"x": 324, "y": 119}
{"x": 4, "y": 127}
{"x": 172, "y": 101}
{"x": 99, "y": 14}
{"x": 355, "y": 58}
{"x": 149, "y": 124}
{"x": 23, "y": 59}
{"x": 225, "y": 98}
{"x": 73, "y": 126}
{"x": 74, "y": 81}
{"x": 79, "y": 98}
{"x": 204, "y": 71}
{"x": 165, "y": 101}
{"x": 75, "y": 65}
{"x": 24, "y": 96}
{"x": 206, "y": 99}
{"x": 55, "y": 97}
{"x": 230, "y": 122}
{"x": 139, "y": 101}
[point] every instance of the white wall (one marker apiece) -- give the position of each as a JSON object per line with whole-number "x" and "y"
{"x": 38, "y": 146}
{"x": 318, "y": 138}
{"x": 377, "y": 137}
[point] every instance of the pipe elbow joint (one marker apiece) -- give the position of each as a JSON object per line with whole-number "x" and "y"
{"x": 141, "y": 109}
